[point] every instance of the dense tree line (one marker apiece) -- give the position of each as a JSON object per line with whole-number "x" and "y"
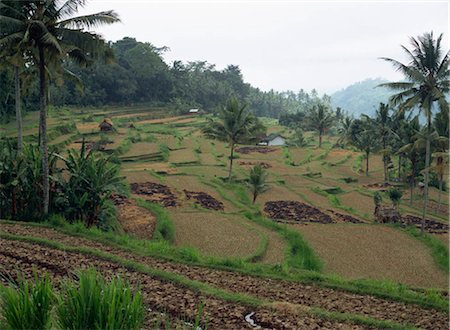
{"x": 139, "y": 73}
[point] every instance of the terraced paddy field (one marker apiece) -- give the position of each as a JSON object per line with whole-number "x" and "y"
{"x": 188, "y": 235}
{"x": 373, "y": 251}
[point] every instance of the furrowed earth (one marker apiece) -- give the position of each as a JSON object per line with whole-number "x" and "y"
{"x": 235, "y": 256}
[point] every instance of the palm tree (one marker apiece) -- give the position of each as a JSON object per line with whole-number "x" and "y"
{"x": 320, "y": 118}
{"x": 382, "y": 127}
{"x": 235, "y": 125}
{"x": 364, "y": 137}
{"x": 427, "y": 82}
{"x": 345, "y": 131}
{"x": 410, "y": 150}
{"x": 13, "y": 55}
{"x": 257, "y": 181}
{"x": 47, "y": 27}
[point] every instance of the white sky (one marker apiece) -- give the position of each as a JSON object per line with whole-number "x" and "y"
{"x": 282, "y": 45}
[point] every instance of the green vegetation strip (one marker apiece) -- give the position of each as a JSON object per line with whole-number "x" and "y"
{"x": 200, "y": 286}
{"x": 426, "y": 298}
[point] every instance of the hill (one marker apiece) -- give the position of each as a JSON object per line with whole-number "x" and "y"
{"x": 361, "y": 97}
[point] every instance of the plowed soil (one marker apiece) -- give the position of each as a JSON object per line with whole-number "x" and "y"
{"x": 295, "y": 211}
{"x": 431, "y": 226}
{"x": 155, "y": 192}
{"x": 204, "y": 200}
{"x": 135, "y": 220}
{"x": 173, "y": 299}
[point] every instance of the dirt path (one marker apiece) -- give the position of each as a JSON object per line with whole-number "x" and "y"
{"x": 158, "y": 294}
{"x": 270, "y": 289}
{"x": 373, "y": 251}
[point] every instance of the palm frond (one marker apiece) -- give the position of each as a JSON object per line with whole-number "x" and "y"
{"x": 90, "y": 21}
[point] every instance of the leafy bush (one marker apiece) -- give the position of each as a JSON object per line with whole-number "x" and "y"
{"x": 93, "y": 303}
{"x": 27, "y": 305}
{"x": 84, "y": 196}
{"x": 20, "y": 181}
{"x": 395, "y": 195}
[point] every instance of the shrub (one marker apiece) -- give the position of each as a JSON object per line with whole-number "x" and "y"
{"x": 27, "y": 305}
{"x": 93, "y": 303}
{"x": 395, "y": 195}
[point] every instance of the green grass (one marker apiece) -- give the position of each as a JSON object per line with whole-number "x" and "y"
{"x": 94, "y": 303}
{"x": 161, "y": 249}
{"x": 27, "y": 305}
{"x": 165, "y": 229}
{"x": 165, "y": 152}
{"x": 201, "y": 287}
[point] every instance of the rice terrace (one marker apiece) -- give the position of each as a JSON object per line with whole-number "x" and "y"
{"x": 139, "y": 193}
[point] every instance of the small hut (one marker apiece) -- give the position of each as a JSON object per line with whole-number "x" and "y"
{"x": 106, "y": 125}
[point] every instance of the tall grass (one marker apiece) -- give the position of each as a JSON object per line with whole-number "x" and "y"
{"x": 93, "y": 303}
{"x": 165, "y": 229}
{"x": 27, "y": 305}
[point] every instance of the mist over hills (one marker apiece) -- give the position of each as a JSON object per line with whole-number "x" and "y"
{"x": 362, "y": 97}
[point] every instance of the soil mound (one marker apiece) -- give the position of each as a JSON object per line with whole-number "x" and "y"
{"x": 134, "y": 220}
{"x": 431, "y": 226}
{"x": 205, "y": 200}
{"x": 294, "y": 211}
{"x": 155, "y": 192}
{"x": 247, "y": 150}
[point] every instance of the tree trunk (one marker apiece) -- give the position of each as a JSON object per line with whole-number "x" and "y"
{"x": 427, "y": 167}
{"x": 411, "y": 190}
{"x": 440, "y": 192}
{"x": 254, "y": 197}
{"x": 231, "y": 162}
{"x": 367, "y": 163}
{"x": 18, "y": 110}
{"x": 385, "y": 165}
{"x": 320, "y": 139}
{"x": 43, "y": 131}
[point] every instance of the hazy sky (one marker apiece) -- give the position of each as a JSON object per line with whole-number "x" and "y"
{"x": 282, "y": 45}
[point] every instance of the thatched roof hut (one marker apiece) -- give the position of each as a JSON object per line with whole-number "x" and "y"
{"x": 106, "y": 125}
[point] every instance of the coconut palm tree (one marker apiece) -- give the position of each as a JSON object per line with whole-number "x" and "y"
{"x": 365, "y": 139}
{"x": 235, "y": 124}
{"x": 427, "y": 81}
{"x": 48, "y": 28}
{"x": 410, "y": 150}
{"x": 13, "y": 55}
{"x": 320, "y": 118}
{"x": 345, "y": 131}
{"x": 257, "y": 181}
{"x": 382, "y": 127}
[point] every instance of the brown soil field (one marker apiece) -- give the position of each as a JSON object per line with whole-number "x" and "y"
{"x": 157, "y": 167}
{"x": 136, "y": 220}
{"x": 373, "y": 251}
{"x": 142, "y": 148}
{"x": 157, "y": 294}
{"x": 360, "y": 203}
{"x": 192, "y": 183}
{"x": 275, "y": 192}
{"x": 138, "y": 176}
{"x": 88, "y": 127}
{"x": 182, "y": 155}
{"x": 213, "y": 234}
{"x": 14, "y": 255}
{"x": 161, "y": 120}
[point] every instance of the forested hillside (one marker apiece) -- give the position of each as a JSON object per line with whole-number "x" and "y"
{"x": 139, "y": 74}
{"x": 361, "y": 97}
